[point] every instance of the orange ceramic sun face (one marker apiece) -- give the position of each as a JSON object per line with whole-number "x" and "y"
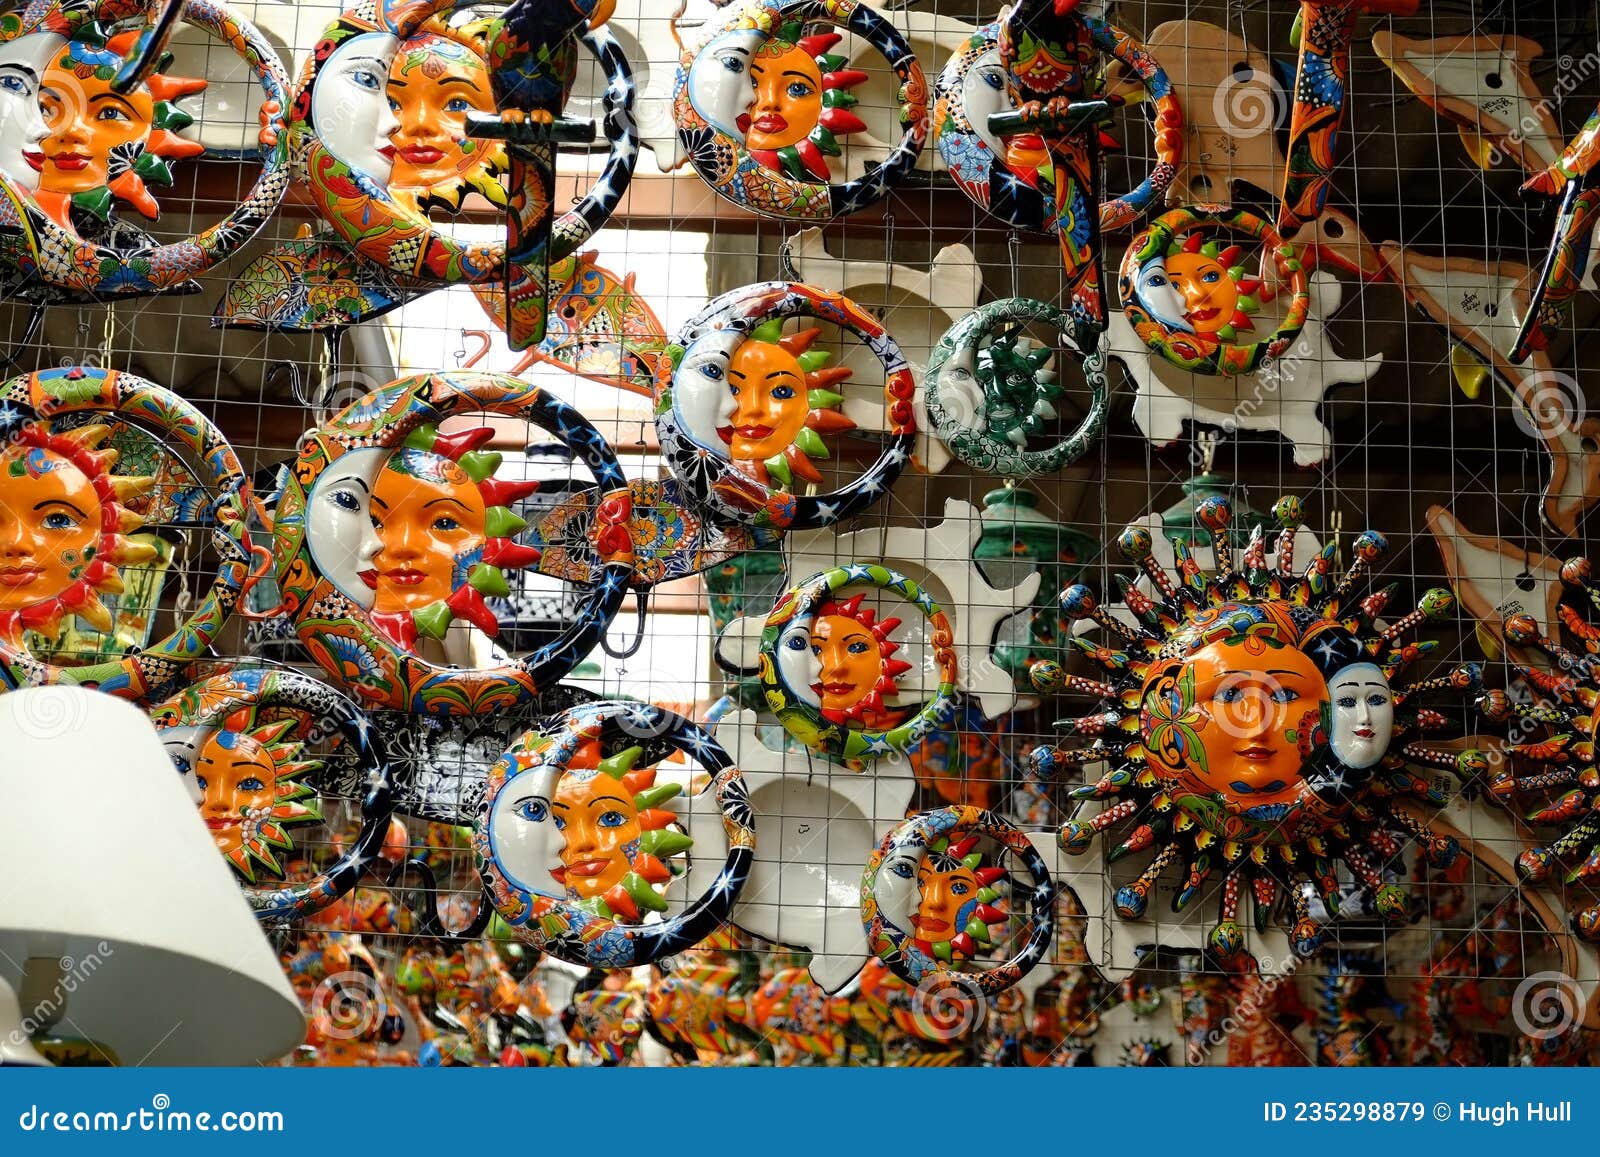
{"x": 49, "y": 523}
{"x": 788, "y": 100}
{"x": 769, "y": 393}
{"x": 236, "y": 775}
{"x": 848, "y": 659}
{"x": 1210, "y": 296}
{"x": 1253, "y": 707}
{"x": 430, "y": 518}
{"x": 600, "y": 823}
{"x": 942, "y": 897}
{"x": 433, "y": 84}
{"x": 87, "y": 120}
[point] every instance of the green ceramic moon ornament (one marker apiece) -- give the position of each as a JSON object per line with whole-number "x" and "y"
{"x": 989, "y": 391}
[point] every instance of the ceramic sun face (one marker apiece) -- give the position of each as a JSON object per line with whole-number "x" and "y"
{"x": 248, "y": 777}
{"x": 1251, "y": 726}
{"x": 845, "y": 659}
{"x": 100, "y": 144}
{"x": 1199, "y": 288}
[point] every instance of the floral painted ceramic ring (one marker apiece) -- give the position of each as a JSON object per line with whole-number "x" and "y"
{"x": 833, "y": 702}
{"x": 379, "y": 479}
{"x": 770, "y": 152}
{"x": 256, "y": 792}
{"x": 38, "y": 248}
{"x": 1188, "y": 296}
{"x": 336, "y": 132}
{"x": 72, "y": 516}
{"x": 578, "y": 830}
{"x": 973, "y": 86}
{"x": 743, "y": 415}
{"x": 928, "y": 904}
{"x": 986, "y": 402}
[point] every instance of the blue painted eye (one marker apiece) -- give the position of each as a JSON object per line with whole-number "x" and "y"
{"x": 613, "y": 819}
{"x": 960, "y": 888}
{"x": 534, "y": 811}
{"x": 732, "y": 63}
{"x": 1377, "y": 699}
{"x": 799, "y": 90}
{"x": 366, "y": 78}
{"x": 60, "y": 520}
{"x": 1211, "y": 277}
{"x": 783, "y": 393}
{"x": 1285, "y": 695}
{"x": 1229, "y": 695}
{"x": 394, "y": 105}
{"x": 14, "y": 84}
{"x": 251, "y": 783}
{"x": 902, "y": 869}
{"x": 993, "y": 78}
{"x": 344, "y": 500}
{"x": 200, "y": 782}
{"x": 859, "y": 647}
{"x": 797, "y": 643}
{"x": 1347, "y": 701}
{"x": 458, "y": 104}
{"x": 561, "y": 824}
{"x": 1155, "y": 280}
{"x": 712, "y": 371}
{"x": 446, "y": 523}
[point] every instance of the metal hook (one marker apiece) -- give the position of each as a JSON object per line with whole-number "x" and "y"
{"x": 786, "y": 269}
{"x": 485, "y": 343}
{"x": 641, "y": 602}
{"x": 290, "y": 370}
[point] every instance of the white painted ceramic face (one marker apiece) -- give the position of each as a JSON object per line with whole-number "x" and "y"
{"x": 1363, "y": 715}
{"x": 896, "y": 888}
{"x": 1155, "y": 292}
{"x": 719, "y": 80}
{"x": 350, "y": 108}
{"x": 700, "y": 396}
{"x": 339, "y": 522}
{"x": 183, "y": 748}
{"x": 983, "y": 92}
{"x": 797, "y": 666}
{"x": 522, "y": 833}
{"x": 22, "y": 127}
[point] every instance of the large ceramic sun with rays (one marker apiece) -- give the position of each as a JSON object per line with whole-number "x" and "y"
{"x": 1254, "y": 730}
{"x": 250, "y": 777}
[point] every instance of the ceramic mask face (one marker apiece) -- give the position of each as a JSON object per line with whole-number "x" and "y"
{"x": 23, "y": 63}
{"x": 1210, "y": 297}
{"x": 788, "y": 96}
{"x": 1251, "y": 706}
{"x": 768, "y": 388}
{"x": 350, "y": 108}
{"x": 235, "y": 775}
{"x": 1363, "y": 715}
{"x": 433, "y": 84}
{"x": 1156, "y": 293}
{"x": 430, "y": 520}
{"x": 572, "y": 835}
{"x": 983, "y": 93}
{"x": 88, "y": 121}
{"x": 848, "y": 662}
{"x": 49, "y": 523}
{"x": 947, "y": 891}
{"x": 719, "y": 81}
{"x": 339, "y": 523}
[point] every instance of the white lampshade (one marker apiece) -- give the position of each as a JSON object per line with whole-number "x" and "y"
{"x": 107, "y": 868}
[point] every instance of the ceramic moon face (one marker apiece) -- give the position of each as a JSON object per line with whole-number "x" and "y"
{"x": 23, "y": 62}
{"x": 719, "y": 81}
{"x": 983, "y": 92}
{"x": 1363, "y": 714}
{"x": 339, "y": 523}
{"x": 351, "y": 109}
{"x": 842, "y": 663}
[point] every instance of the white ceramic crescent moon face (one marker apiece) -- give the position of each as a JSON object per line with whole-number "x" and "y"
{"x": 1156, "y": 293}
{"x": 896, "y": 889}
{"x": 1363, "y": 715}
{"x": 350, "y": 107}
{"x": 22, "y": 127}
{"x": 719, "y": 80}
{"x": 339, "y": 523}
{"x": 183, "y": 748}
{"x": 797, "y": 665}
{"x": 700, "y": 395}
{"x": 522, "y": 832}
{"x": 983, "y": 92}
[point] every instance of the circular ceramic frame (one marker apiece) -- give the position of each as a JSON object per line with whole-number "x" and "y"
{"x": 86, "y": 390}
{"x": 698, "y": 458}
{"x": 339, "y": 634}
{"x": 42, "y": 249}
{"x": 1217, "y": 359}
{"x": 205, "y": 707}
{"x": 969, "y": 152}
{"x": 895, "y": 946}
{"x": 954, "y": 393}
{"x": 724, "y": 162}
{"x": 797, "y": 611}
{"x": 570, "y": 932}
{"x": 391, "y": 236}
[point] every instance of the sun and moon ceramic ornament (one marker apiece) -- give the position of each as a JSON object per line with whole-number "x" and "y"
{"x": 581, "y": 832}
{"x": 391, "y": 535}
{"x": 68, "y": 544}
{"x": 238, "y": 738}
{"x": 346, "y": 136}
{"x": 930, "y": 903}
{"x": 1549, "y": 764}
{"x": 991, "y": 392}
{"x": 1189, "y": 290}
{"x": 1011, "y": 176}
{"x": 1255, "y": 729}
{"x": 75, "y": 142}
{"x": 765, "y": 107}
{"x": 744, "y": 419}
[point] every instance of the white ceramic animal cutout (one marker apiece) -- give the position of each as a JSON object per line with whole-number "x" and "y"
{"x": 1494, "y": 580}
